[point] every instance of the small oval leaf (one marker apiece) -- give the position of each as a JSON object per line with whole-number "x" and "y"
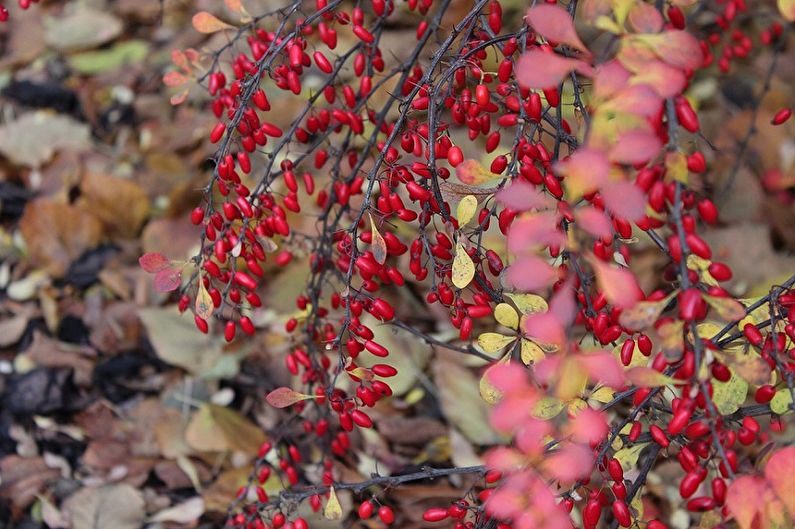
{"x": 205, "y": 22}
{"x": 284, "y": 397}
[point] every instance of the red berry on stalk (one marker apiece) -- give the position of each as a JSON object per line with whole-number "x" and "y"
{"x": 782, "y": 116}
{"x": 386, "y": 514}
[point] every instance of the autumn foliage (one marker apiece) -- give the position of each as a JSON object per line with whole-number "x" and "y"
{"x": 500, "y": 173}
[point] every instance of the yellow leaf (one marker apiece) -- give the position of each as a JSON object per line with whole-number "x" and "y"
{"x": 333, "y": 510}
{"x": 787, "y": 8}
{"x": 781, "y": 401}
{"x": 628, "y": 457}
{"x": 571, "y": 379}
{"x": 488, "y": 392}
{"x": 463, "y": 267}
{"x": 205, "y": 22}
{"x": 204, "y": 303}
{"x": 506, "y": 315}
{"x": 491, "y": 342}
{"x": 603, "y": 394}
{"x": 528, "y": 303}
{"x": 672, "y": 341}
{"x": 606, "y": 23}
{"x": 466, "y": 209}
{"x": 676, "y": 166}
{"x": 531, "y": 352}
{"x": 547, "y": 408}
{"x": 576, "y": 406}
{"x": 378, "y": 243}
{"x": 729, "y": 396}
{"x": 727, "y": 308}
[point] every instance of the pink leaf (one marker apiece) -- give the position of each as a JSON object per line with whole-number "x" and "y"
{"x": 619, "y": 285}
{"x": 588, "y": 426}
{"x": 507, "y": 377}
{"x": 680, "y": 48}
{"x": 603, "y": 367}
{"x": 555, "y": 24}
{"x": 594, "y": 221}
{"x": 636, "y": 147}
{"x": 570, "y": 463}
{"x": 153, "y": 262}
{"x": 645, "y": 18}
{"x": 530, "y": 232}
{"x": 780, "y": 474}
{"x": 624, "y": 199}
{"x": 666, "y": 80}
{"x": 283, "y": 397}
{"x": 539, "y": 69}
{"x": 609, "y": 79}
{"x": 640, "y": 99}
{"x": 522, "y": 196}
{"x": 545, "y": 327}
{"x": 530, "y": 274}
{"x": 531, "y": 436}
{"x": 168, "y": 279}
{"x": 742, "y": 499}
{"x": 585, "y": 171}
{"x": 562, "y": 304}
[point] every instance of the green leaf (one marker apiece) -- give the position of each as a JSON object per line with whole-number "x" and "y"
{"x": 121, "y": 54}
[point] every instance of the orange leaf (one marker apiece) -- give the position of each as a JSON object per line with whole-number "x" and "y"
{"x": 174, "y": 79}
{"x": 205, "y": 22}
{"x": 471, "y": 172}
{"x": 742, "y": 499}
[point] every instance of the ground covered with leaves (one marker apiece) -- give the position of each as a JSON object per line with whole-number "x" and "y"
{"x": 114, "y": 411}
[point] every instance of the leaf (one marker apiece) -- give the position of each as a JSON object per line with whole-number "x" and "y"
{"x": 570, "y": 378}
{"x": 235, "y": 6}
{"x": 81, "y": 29}
{"x": 174, "y": 78}
{"x": 555, "y": 24}
{"x": 645, "y": 18}
{"x": 506, "y": 316}
{"x": 118, "y": 506}
{"x": 676, "y": 166}
{"x": 491, "y": 342}
{"x": 205, "y": 22}
{"x": 539, "y": 69}
{"x": 56, "y": 234}
{"x": 678, "y": 48}
{"x": 787, "y": 8}
{"x": 204, "y": 303}
{"x": 284, "y": 397}
{"x": 646, "y": 377}
{"x": 636, "y": 146}
{"x": 547, "y": 408}
{"x": 643, "y": 314}
{"x": 594, "y": 221}
{"x": 102, "y": 194}
{"x": 217, "y": 429}
{"x": 33, "y": 139}
{"x": 488, "y": 392}
{"x": 727, "y": 308}
{"x": 742, "y": 499}
{"x": 628, "y": 456}
{"x": 378, "y": 243}
{"x": 471, "y": 172}
{"x": 602, "y": 367}
{"x": 531, "y": 273}
{"x": 168, "y": 279}
{"x": 619, "y": 285}
{"x": 184, "y": 513}
{"x": 523, "y": 196}
{"x": 671, "y": 339}
{"x": 153, "y": 262}
{"x": 531, "y": 352}
{"x": 463, "y": 267}
{"x": 751, "y": 367}
{"x": 466, "y": 209}
{"x": 528, "y": 303}
{"x": 460, "y": 398}
{"x": 780, "y": 474}
{"x": 782, "y": 401}
{"x": 730, "y": 395}
{"x": 585, "y": 171}
{"x": 100, "y": 61}
{"x": 333, "y": 510}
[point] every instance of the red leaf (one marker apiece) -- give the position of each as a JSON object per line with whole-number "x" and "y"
{"x": 624, "y": 199}
{"x": 168, "y": 279}
{"x": 283, "y": 397}
{"x": 539, "y": 69}
{"x": 780, "y": 474}
{"x": 555, "y": 24}
{"x": 618, "y": 284}
{"x": 153, "y": 262}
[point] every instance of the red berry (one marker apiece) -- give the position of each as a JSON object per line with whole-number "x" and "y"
{"x": 386, "y": 514}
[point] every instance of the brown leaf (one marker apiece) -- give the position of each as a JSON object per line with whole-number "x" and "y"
{"x": 216, "y": 429}
{"x": 103, "y": 196}
{"x": 117, "y": 506}
{"x": 46, "y": 352}
{"x": 23, "y": 478}
{"x": 56, "y": 234}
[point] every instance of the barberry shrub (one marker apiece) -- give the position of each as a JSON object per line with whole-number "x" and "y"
{"x": 502, "y": 168}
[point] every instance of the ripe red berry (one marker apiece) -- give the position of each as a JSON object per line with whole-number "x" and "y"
{"x": 782, "y": 116}
{"x": 386, "y": 514}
